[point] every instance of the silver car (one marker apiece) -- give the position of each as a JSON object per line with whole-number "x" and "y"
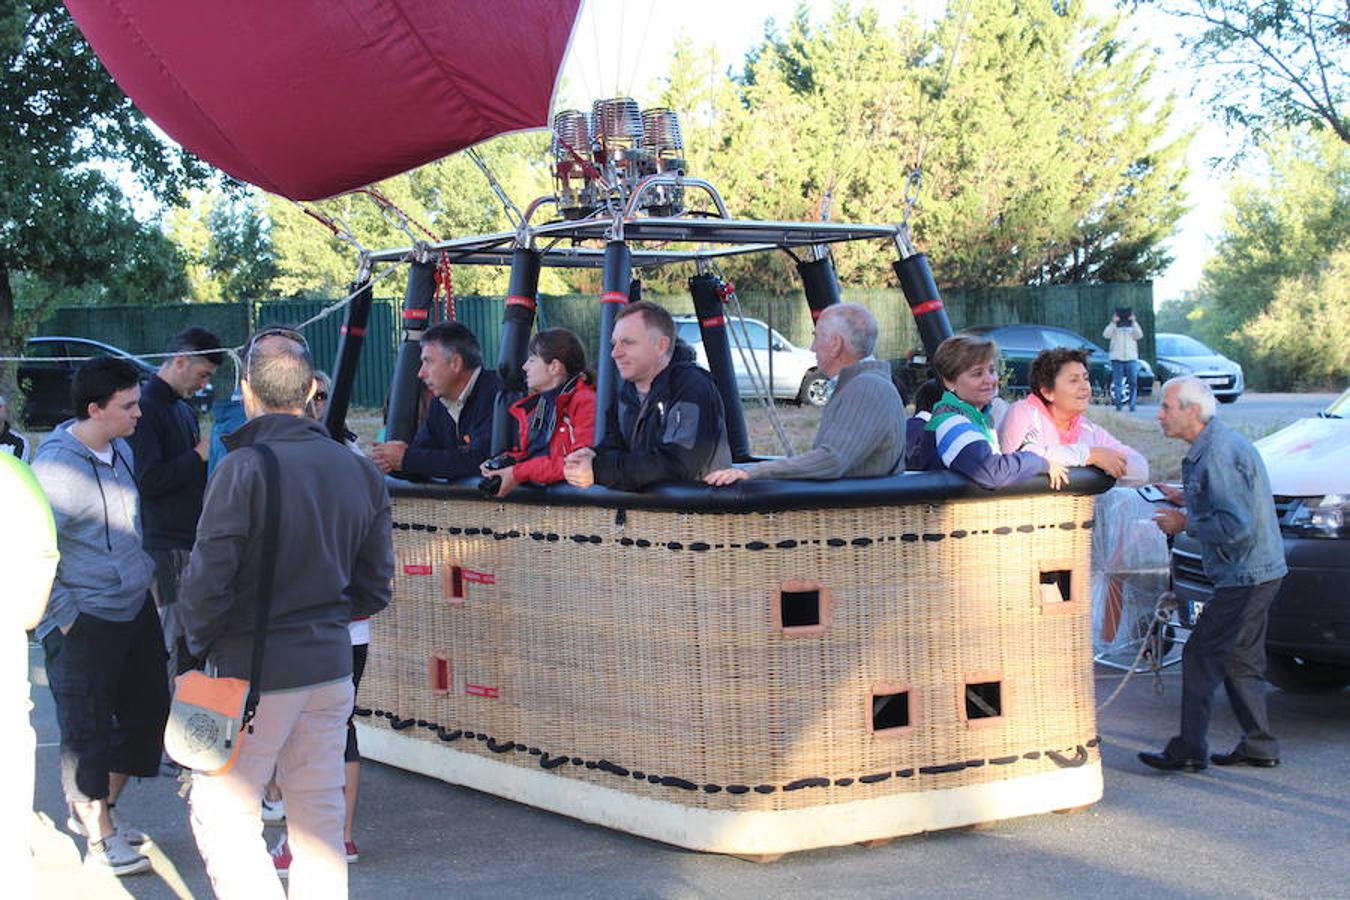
{"x": 794, "y": 369}
{"x": 1181, "y": 354}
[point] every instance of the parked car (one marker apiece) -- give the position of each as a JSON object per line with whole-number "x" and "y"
{"x": 1308, "y": 639}
{"x": 1020, "y": 343}
{"x": 794, "y": 370}
{"x": 1181, "y": 354}
{"x": 44, "y": 377}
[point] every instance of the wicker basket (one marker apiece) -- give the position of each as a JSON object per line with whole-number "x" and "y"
{"x": 749, "y": 683}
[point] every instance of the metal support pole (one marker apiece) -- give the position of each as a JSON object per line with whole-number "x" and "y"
{"x": 615, "y": 289}
{"x": 521, "y": 300}
{"x": 820, "y": 283}
{"x": 920, "y": 290}
{"x": 405, "y": 390}
{"x": 354, "y": 321}
{"x": 706, "y": 292}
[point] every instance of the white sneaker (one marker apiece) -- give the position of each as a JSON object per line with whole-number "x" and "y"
{"x": 113, "y": 854}
{"x": 129, "y": 833}
{"x": 273, "y": 811}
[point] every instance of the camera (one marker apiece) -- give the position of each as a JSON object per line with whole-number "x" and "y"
{"x": 489, "y": 485}
{"x": 1125, "y": 313}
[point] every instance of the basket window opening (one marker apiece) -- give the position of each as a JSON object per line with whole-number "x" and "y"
{"x": 800, "y": 609}
{"x": 984, "y": 700}
{"x": 440, "y": 674}
{"x": 454, "y": 583}
{"x": 1056, "y": 586}
{"x": 890, "y": 710}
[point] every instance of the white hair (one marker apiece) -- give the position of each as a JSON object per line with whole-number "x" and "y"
{"x": 855, "y": 324}
{"x": 1191, "y": 391}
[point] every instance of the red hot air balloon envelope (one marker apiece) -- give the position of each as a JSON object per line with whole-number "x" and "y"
{"x": 310, "y": 98}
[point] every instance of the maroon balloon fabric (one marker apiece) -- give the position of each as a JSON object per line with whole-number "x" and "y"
{"x": 310, "y": 98}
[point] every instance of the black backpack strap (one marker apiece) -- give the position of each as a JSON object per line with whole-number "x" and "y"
{"x": 262, "y": 608}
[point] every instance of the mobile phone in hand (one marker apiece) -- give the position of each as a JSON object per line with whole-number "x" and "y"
{"x": 1151, "y": 492}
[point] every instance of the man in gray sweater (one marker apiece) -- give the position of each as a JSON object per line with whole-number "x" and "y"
{"x": 862, "y": 428}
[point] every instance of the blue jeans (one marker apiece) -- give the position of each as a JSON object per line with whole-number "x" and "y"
{"x": 1123, "y": 370}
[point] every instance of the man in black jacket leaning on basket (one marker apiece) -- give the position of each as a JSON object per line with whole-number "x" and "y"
{"x": 668, "y": 423}
{"x": 336, "y": 560}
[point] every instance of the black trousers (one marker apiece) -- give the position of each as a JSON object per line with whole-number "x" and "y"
{"x": 107, "y": 681}
{"x": 1228, "y": 646}
{"x": 359, "y": 652}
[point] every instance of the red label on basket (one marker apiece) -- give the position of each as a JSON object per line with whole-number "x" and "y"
{"x": 479, "y": 577}
{"x": 480, "y": 690}
{"x": 415, "y": 313}
{"x": 355, "y": 332}
{"x": 714, "y": 322}
{"x": 930, "y": 306}
{"x": 614, "y": 297}
{"x": 520, "y": 301}
{"x": 415, "y": 569}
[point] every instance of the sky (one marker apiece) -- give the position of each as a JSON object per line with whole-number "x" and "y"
{"x": 621, "y": 47}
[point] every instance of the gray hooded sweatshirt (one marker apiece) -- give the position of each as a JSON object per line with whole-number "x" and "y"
{"x": 103, "y": 570}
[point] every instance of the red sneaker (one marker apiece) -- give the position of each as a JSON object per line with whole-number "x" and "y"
{"x": 281, "y": 858}
{"x": 352, "y": 855}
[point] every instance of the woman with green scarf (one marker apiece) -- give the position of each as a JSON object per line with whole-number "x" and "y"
{"x": 959, "y": 434}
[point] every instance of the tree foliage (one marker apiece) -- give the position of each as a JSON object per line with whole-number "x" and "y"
{"x": 1284, "y": 235}
{"x": 1271, "y": 64}
{"x": 66, "y": 229}
{"x": 1043, "y": 158}
{"x": 1301, "y": 335}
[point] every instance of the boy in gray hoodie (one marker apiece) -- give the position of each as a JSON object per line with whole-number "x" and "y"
{"x": 104, "y": 647}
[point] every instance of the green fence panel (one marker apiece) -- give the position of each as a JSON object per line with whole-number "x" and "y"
{"x": 375, "y": 368}
{"x": 147, "y": 329}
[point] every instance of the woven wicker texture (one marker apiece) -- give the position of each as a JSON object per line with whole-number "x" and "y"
{"x": 646, "y": 656}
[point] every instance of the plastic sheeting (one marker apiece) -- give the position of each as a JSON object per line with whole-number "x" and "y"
{"x": 310, "y": 98}
{"x": 1130, "y": 565}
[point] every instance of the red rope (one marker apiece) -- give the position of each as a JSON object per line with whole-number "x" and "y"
{"x": 445, "y": 288}
{"x": 384, "y": 201}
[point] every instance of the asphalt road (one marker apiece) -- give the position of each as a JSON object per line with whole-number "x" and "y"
{"x": 1233, "y": 833}
{"x": 1258, "y": 414}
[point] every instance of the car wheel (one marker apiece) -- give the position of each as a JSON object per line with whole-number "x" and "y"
{"x": 1304, "y": 676}
{"x": 815, "y": 390}
{"x": 1230, "y": 398}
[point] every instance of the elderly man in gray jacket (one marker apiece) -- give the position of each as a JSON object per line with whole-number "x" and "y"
{"x": 1228, "y": 507}
{"x": 334, "y": 544}
{"x": 862, "y": 428}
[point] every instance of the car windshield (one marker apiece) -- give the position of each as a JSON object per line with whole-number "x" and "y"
{"x": 1181, "y": 345}
{"x": 689, "y": 332}
{"x": 759, "y": 334}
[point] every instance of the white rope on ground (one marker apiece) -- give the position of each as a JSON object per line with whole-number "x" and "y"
{"x": 1154, "y": 639}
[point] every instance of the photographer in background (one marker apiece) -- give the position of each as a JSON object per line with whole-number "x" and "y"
{"x": 1124, "y": 334}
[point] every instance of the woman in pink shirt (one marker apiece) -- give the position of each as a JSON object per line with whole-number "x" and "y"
{"x": 1050, "y": 420}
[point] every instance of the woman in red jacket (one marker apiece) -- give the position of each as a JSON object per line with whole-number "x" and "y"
{"x": 557, "y": 417}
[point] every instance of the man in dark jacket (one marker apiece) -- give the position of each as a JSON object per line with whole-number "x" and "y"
{"x": 335, "y": 561}
{"x": 171, "y": 470}
{"x": 668, "y": 424}
{"x": 456, "y": 435}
